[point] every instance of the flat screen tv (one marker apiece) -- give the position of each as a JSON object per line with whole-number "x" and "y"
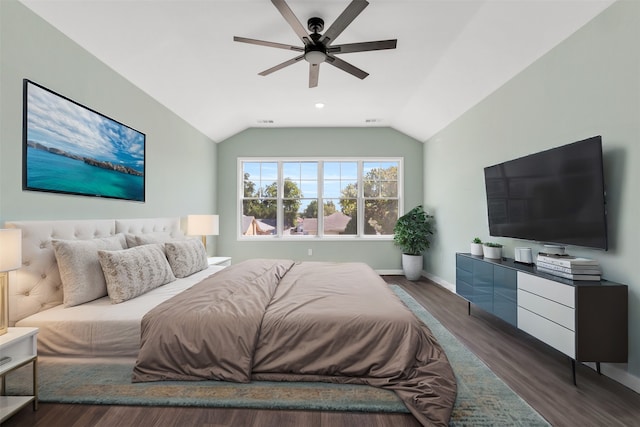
{"x": 69, "y": 148}
{"x": 555, "y": 196}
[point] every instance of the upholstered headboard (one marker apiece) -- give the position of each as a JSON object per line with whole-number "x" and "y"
{"x": 37, "y": 285}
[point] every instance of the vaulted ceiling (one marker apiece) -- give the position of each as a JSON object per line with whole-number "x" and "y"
{"x": 450, "y": 55}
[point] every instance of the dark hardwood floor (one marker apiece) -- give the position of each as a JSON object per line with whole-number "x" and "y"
{"x": 539, "y": 374}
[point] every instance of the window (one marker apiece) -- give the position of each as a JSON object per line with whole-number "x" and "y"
{"x": 332, "y": 198}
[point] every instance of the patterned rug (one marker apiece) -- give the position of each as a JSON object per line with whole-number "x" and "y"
{"x": 483, "y": 399}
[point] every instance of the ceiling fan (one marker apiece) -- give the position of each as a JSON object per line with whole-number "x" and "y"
{"x": 318, "y": 47}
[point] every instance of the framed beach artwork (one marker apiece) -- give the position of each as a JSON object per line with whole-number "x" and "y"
{"x": 71, "y": 149}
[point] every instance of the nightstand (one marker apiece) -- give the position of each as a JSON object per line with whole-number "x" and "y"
{"x": 20, "y": 347}
{"x": 224, "y": 261}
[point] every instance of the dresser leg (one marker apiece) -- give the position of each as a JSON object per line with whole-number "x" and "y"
{"x": 573, "y": 369}
{"x": 598, "y": 368}
{"x": 469, "y": 308}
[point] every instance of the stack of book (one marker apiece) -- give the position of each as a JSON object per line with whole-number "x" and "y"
{"x": 569, "y": 267}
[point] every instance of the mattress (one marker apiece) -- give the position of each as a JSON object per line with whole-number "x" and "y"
{"x": 100, "y": 328}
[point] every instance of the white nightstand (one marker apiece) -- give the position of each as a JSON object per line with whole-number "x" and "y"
{"x": 224, "y": 261}
{"x": 20, "y": 345}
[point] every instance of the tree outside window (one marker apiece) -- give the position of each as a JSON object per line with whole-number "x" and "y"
{"x": 380, "y": 188}
{"x": 260, "y": 199}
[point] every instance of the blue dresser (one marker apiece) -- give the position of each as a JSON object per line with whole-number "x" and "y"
{"x": 489, "y": 285}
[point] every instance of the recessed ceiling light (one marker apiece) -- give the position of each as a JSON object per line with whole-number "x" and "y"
{"x": 319, "y": 105}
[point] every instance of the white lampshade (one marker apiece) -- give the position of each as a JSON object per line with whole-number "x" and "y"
{"x": 202, "y": 225}
{"x": 10, "y": 249}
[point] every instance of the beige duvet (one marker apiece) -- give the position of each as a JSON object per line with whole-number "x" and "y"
{"x": 285, "y": 321}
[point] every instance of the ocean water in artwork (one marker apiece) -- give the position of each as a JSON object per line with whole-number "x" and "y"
{"x": 54, "y": 172}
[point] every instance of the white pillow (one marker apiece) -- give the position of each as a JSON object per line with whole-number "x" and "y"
{"x": 134, "y": 271}
{"x": 80, "y": 271}
{"x": 186, "y": 256}
{"x": 134, "y": 240}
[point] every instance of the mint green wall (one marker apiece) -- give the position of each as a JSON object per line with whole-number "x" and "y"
{"x": 309, "y": 142}
{"x": 180, "y": 178}
{"x": 588, "y": 85}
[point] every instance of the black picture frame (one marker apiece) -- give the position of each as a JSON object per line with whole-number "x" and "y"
{"x": 69, "y": 148}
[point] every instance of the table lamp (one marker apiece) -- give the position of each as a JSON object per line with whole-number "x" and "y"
{"x": 203, "y": 225}
{"x": 10, "y": 259}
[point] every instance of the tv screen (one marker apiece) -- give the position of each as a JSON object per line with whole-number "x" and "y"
{"x": 69, "y": 148}
{"x": 555, "y": 196}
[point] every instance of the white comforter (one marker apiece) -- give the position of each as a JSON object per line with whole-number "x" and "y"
{"x": 100, "y": 328}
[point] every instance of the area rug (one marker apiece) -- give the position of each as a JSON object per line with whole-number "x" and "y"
{"x": 483, "y": 399}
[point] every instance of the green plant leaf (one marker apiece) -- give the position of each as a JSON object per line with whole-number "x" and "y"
{"x": 412, "y": 231}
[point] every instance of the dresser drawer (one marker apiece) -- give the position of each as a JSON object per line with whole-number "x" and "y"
{"x": 464, "y": 276}
{"x": 551, "y": 310}
{"x": 554, "y": 291}
{"x": 556, "y": 336}
{"x": 465, "y": 290}
{"x": 464, "y": 263}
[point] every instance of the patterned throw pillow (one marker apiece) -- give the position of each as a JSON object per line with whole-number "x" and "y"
{"x": 186, "y": 256}
{"x": 82, "y": 278}
{"x": 134, "y": 271}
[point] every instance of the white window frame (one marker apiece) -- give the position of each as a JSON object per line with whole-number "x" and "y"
{"x": 320, "y": 236}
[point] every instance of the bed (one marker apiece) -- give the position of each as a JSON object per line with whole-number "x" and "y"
{"x": 263, "y": 319}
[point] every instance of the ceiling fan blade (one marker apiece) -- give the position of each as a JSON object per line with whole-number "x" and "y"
{"x": 293, "y": 21}
{"x": 363, "y": 47}
{"x": 266, "y": 43}
{"x": 314, "y": 71}
{"x": 281, "y": 66}
{"x": 345, "y": 18}
{"x": 345, "y": 66}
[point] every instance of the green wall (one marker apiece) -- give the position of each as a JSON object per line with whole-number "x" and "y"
{"x": 310, "y": 142}
{"x": 180, "y": 178}
{"x": 588, "y": 85}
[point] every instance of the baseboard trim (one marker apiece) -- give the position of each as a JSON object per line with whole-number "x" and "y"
{"x": 448, "y": 286}
{"x": 389, "y": 272}
{"x": 619, "y": 373}
{"x": 440, "y": 281}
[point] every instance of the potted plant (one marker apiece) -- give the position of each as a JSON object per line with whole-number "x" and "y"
{"x": 411, "y": 234}
{"x": 476, "y": 247}
{"x": 492, "y": 250}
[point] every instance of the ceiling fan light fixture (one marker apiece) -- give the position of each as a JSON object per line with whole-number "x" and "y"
{"x": 315, "y": 57}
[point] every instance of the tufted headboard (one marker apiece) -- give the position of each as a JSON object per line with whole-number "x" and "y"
{"x": 37, "y": 285}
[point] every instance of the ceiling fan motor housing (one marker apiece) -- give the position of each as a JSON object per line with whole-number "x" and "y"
{"x": 315, "y": 24}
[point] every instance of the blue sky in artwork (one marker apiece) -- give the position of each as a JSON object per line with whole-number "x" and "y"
{"x": 54, "y": 121}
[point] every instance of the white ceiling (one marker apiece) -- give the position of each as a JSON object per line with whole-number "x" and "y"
{"x": 450, "y": 55}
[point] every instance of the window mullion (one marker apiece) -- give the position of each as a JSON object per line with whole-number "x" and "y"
{"x": 320, "y": 178}
{"x": 359, "y": 200}
{"x": 279, "y": 200}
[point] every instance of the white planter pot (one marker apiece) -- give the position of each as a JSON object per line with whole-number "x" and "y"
{"x": 412, "y": 266}
{"x": 476, "y": 249}
{"x": 492, "y": 253}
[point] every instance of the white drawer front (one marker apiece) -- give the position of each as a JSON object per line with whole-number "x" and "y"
{"x": 563, "y": 294}
{"x": 558, "y": 313}
{"x": 556, "y": 336}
